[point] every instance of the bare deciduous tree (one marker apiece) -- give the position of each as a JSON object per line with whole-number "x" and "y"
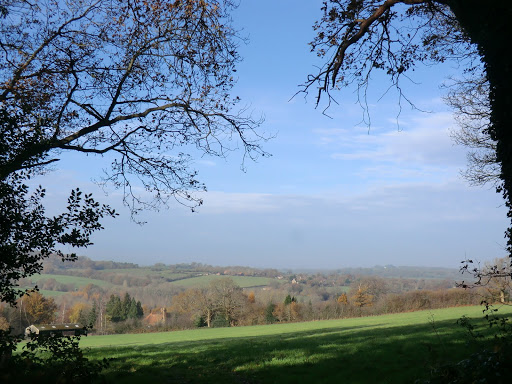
{"x": 469, "y": 98}
{"x": 147, "y": 83}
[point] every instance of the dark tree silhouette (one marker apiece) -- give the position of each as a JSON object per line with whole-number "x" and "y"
{"x": 357, "y": 37}
{"x": 146, "y": 83}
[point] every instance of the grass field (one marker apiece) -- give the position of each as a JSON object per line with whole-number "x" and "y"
{"x": 185, "y": 280}
{"x": 47, "y": 293}
{"x": 242, "y": 281}
{"x": 77, "y": 281}
{"x": 382, "y": 349}
{"x": 143, "y": 272}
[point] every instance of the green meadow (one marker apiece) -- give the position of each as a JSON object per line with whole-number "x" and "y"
{"x": 47, "y": 293}
{"x": 185, "y": 280}
{"x": 77, "y": 281}
{"x": 242, "y": 281}
{"x": 395, "y": 348}
{"x": 145, "y": 272}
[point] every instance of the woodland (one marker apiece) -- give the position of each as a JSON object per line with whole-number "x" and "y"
{"x": 112, "y": 297}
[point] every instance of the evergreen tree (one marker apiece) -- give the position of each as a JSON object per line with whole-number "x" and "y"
{"x": 115, "y": 309}
{"x": 140, "y": 311}
{"x": 93, "y": 315}
{"x": 132, "y": 310}
{"x": 126, "y": 304}
{"x": 269, "y": 313}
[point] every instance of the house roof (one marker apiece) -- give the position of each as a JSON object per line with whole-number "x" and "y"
{"x": 57, "y": 327}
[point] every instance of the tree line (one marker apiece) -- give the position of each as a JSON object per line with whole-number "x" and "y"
{"x": 223, "y": 303}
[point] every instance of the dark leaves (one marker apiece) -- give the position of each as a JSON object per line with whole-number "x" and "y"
{"x": 28, "y": 236}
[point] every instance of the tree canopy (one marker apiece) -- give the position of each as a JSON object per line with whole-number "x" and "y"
{"x": 147, "y": 82}
{"x": 357, "y": 37}
{"x": 145, "y": 85}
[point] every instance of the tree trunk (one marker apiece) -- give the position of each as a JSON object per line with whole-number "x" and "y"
{"x": 208, "y": 318}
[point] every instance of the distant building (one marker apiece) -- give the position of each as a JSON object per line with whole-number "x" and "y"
{"x": 157, "y": 318}
{"x": 74, "y": 329}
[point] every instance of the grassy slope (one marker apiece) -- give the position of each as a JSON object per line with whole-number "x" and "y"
{"x": 47, "y": 293}
{"x": 184, "y": 281}
{"x": 242, "y": 281}
{"x": 143, "y": 272}
{"x": 384, "y": 349}
{"x": 76, "y": 280}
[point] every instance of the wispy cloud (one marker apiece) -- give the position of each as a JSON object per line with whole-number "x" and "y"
{"x": 427, "y": 141}
{"x": 421, "y": 150}
{"x": 208, "y": 163}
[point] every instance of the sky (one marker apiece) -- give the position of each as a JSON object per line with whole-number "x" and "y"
{"x": 335, "y": 193}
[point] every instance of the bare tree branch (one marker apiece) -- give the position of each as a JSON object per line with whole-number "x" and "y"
{"x": 138, "y": 80}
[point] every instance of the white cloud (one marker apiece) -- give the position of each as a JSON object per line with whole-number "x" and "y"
{"x": 427, "y": 141}
{"x": 421, "y": 151}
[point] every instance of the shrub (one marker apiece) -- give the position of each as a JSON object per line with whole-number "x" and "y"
{"x": 220, "y": 321}
{"x": 46, "y": 359}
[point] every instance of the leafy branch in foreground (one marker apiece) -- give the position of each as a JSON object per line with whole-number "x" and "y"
{"x": 491, "y": 363}
{"x": 46, "y": 359}
{"x": 28, "y": 236}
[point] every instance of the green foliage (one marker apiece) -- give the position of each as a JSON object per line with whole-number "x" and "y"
{"x": 200, "y": 322}
{"x": 140, "y": 311}
{"x": 119, "y": 310}
{"x": 220, "y": 321}
{"x": 132, "y": 312}
{"x": 114, "y": 309}
{"x": 92, "y": 316}
{"x": 46, "y": 359}
{"x": 269, "y": 313}
{"x": 28, "y": 236}
{"x": 492, "y": 361}
{"x": 484, "y": 366}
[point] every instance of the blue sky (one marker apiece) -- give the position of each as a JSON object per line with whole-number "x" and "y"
{"x": 335, "y": 193}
